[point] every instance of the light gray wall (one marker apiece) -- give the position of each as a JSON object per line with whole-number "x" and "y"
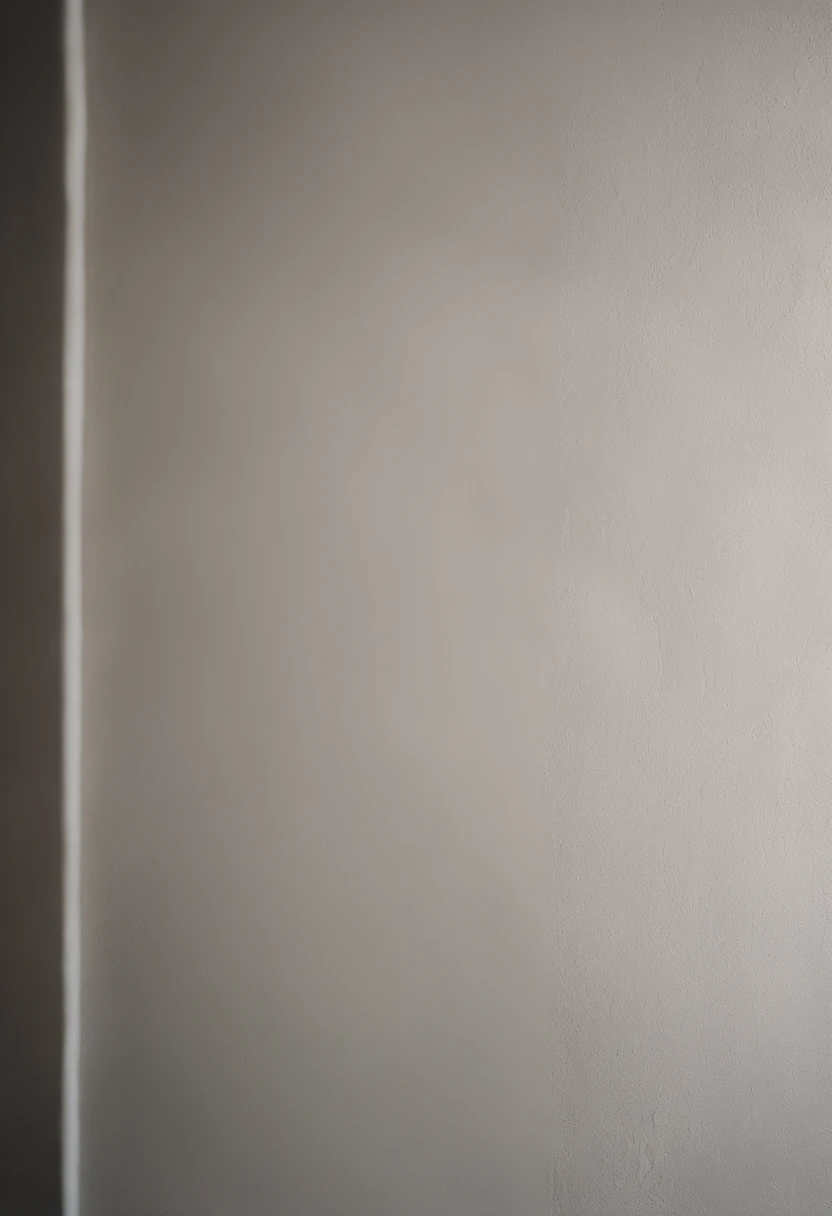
{"x": 458, "y": 615}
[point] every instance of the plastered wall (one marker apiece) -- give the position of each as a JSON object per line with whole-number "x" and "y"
{"x": 457, "y": 603}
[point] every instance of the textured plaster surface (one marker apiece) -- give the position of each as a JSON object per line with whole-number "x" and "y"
{"x": 458, "y": 622}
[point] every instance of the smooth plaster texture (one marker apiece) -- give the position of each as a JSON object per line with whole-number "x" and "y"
{"x": 457, "y": 729}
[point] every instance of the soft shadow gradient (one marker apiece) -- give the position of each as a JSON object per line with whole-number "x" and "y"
{"x": 458, "y": 609}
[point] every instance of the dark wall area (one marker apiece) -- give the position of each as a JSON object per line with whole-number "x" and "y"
{"x": 31, "y": 309}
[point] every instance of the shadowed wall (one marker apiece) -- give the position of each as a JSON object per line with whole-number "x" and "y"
{"x": 458, "y": 609}
{"x": 31, "y": 330}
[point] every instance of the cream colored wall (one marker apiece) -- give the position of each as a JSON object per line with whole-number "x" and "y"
{"x": 458, "y": 502}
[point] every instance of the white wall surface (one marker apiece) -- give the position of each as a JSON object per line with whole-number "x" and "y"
{"x": 457, "y": 662}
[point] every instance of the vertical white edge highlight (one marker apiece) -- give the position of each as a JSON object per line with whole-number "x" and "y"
{"x": 75, "y": 121}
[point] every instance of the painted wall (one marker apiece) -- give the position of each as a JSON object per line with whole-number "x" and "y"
{"x": 458, "y": 611}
